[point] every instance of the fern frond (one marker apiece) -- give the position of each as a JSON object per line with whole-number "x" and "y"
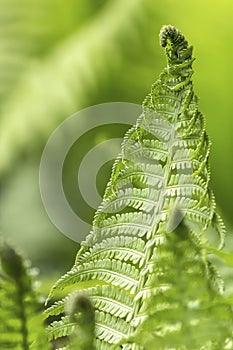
{"x": 21, "y": 326}
{"x": 163, "y": 166}
{"x": 54, "y": 77}
{"x": 189, "y": 313}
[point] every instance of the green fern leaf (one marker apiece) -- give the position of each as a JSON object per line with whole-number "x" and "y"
{"x": 163, "y": 166}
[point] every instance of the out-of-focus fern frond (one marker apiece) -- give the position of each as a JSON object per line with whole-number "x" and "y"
{"x": 28, "y": 29}
{"x": 58, "y": 85}
{"x": 20, "y": 317}
{"x": 185, "y": 312}
{"x": 19, "y": 33}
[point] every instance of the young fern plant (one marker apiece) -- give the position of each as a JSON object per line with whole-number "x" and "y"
{"x": 163, "y": 167}
{"x": 21, "y": 326}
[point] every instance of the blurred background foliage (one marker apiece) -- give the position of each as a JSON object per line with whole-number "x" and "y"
{"x": 57, "y": 57}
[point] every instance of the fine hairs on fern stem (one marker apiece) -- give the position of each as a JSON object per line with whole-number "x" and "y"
{"x": 163, "y": 165}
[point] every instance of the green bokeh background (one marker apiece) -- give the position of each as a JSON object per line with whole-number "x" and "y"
{"x": 57, "y": 57}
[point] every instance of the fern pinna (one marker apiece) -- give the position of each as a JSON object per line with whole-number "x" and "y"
{"x": 163, "y": 166}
